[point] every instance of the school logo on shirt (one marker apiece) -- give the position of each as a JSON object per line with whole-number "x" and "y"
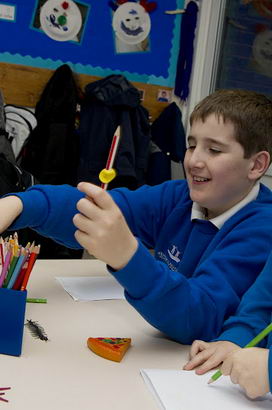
{"x": 174, "y": 253}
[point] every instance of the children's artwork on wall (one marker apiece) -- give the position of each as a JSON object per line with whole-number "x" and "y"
{"x": 60, "y": 20}
{"x": 131, "y": 24}
{"x": 164, "y": 95}
{"x": 7, "y": 12}
{"x": 92, "y": 50}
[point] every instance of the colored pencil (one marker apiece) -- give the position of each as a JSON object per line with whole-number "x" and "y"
{"x": 11, "y": 268}
{"x": 18, "y": 282}
{"x": 11, "y": 242}
{"x": 2, "y": 250}
{"x": 6, "y": 265}
{"x": 257, "y": 339}
{"x": 20, "y": 277}
{"x": 32, "y": 259}
{"x": 36, "y": 300}
{"x": 16, "y": 262}
{"x": 16, "y": 244}
{"x": 18, "y": 267}
{"x": 112, "y": 153}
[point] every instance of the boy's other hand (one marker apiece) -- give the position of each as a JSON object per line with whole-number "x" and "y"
{"x": 10, "y": 208}
{"x": 248, "y": 368}
{"x": 102, "y": 229}
{"x": 208, "y": 355}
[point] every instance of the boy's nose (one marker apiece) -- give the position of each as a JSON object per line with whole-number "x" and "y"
{"x": 196, "y": 159}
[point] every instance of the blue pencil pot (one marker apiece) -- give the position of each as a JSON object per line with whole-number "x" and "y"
{"x": 12, "y": 314}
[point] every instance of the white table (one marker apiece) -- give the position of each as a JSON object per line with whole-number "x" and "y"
{"x": 63, "y": 373}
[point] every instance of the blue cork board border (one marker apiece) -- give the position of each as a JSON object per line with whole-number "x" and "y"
{"x": 95, "y": 54}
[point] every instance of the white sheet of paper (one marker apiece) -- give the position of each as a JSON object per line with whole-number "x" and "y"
{"x": 83, "y": 288}
{"x": 184, "y": 390}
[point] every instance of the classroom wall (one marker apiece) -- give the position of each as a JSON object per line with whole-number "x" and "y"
{"x": 29, "y": 53}
{"x": 93, "y": 51}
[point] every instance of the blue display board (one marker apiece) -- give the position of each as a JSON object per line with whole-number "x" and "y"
{"x": 23, "y": 42}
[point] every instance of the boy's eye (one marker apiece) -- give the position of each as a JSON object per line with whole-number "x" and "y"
{"x": 215, "y": 151}
{"x": 191, "y": 147}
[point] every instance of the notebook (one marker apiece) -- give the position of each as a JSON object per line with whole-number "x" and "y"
{"x": 184, "y": 390}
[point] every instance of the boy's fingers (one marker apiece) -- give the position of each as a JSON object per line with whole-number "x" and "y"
{"x": 87, "y": 208}
{"x": 226, "y": 366}
{"x": 212, "y": 362}
{"x": 100, "y": 197}
{"x": 197, "y": 346}
{"x": 197, "y": 360}
{"x": 228, "y": 369}
{"x": 82, "y": 238}
{"x": 81, "y": 222}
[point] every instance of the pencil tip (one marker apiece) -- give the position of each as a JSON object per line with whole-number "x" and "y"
{"x": 210, "y": 381}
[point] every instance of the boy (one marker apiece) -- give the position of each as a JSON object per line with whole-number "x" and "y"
{"x": 211, "y": 233}
{"x": 251, "y": 367}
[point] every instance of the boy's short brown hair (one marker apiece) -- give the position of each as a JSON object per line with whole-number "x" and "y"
{"x": 248, "y": 111}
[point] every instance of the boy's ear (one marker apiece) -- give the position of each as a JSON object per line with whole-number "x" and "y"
{"x": 259, "y": 164}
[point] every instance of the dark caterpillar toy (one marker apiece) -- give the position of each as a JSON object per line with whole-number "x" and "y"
{"x": 36, "y": 330}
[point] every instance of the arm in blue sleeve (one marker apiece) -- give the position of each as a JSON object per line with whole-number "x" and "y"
{"x": 270, "y": 368}
{"x": 254, "y": 311}
{"x": 146, "y": 208}
{"x": 191, "y": 308}
{"x": 180, "y": 307}
{"x": 49, "y": 210}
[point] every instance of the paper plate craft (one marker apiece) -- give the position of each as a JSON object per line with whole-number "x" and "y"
{"x": 111, "y": 348}
{"x": 60, "y": 20}
{"x": 131, "y": 23}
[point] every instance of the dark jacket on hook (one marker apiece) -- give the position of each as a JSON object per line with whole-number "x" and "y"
{"x": 168, "y": 135}
{"x": 51, "y": 153}
{"x": 108, "y": 103}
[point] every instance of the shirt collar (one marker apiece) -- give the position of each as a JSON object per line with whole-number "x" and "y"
{"x": 199, "y": 213}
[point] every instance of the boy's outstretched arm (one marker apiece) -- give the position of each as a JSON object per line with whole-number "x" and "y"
{"x": 47, "y": 209}
{"x": 248, "y": 368}
{"x": 206, "y": 356}
{"x": 184, "y": 306}
{"x": 10, "y": 209}
{"x": 102, "y": 228}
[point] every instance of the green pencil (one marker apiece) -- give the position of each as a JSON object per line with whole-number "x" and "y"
{"x": 36, "y": 300}
{"x": 252, "y": 343}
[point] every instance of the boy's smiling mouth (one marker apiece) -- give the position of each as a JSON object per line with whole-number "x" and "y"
{"x": 200, "y": 179}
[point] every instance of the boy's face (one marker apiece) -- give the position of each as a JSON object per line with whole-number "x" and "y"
{"x": 216, "y": 170}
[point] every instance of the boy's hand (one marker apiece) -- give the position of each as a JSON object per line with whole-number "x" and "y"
{"x": 248, "y": 368}
{"x": 208, "y": 355}
{"x": 10, "y": 208}
{"x": 102, "y": 228}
